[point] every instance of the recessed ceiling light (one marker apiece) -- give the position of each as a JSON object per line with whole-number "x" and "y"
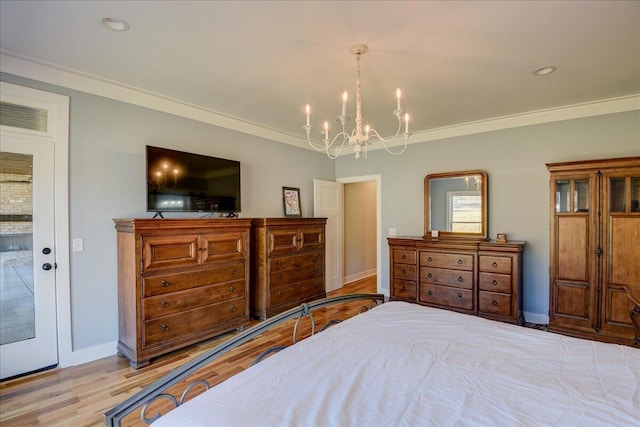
{"x": 545, "y": 70}
{"x": 115, "y": 24}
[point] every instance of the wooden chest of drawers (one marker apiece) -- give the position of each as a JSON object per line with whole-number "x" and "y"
{"x": 480, "y": 278}
{"x": 180, "y": 281}
{"x": 287, "y": 263}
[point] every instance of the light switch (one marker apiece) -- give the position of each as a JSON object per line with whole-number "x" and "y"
{"x": 78, "y": 245}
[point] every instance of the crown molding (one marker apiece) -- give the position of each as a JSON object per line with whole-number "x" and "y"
{"x": 567, "y": 112}
{"x": 49, "y": 73}
{"x": 95, "y": 85}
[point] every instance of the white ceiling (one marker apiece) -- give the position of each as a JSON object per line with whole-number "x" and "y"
{"x": 260, "y": 62}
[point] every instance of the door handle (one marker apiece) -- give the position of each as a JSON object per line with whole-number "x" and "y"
{"x": 47, "y": 266}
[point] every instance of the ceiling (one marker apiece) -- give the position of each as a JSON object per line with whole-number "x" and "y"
{"x": 259, "y": 63}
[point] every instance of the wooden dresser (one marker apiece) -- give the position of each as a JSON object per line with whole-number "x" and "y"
{"x": 480, "y": 278}
{"x": 287, "y": 263}
{"x": 179, "y": 281}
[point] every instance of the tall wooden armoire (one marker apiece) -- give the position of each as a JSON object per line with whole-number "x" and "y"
{"x": 595, "y": 247}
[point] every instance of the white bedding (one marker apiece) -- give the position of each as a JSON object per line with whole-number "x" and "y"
{"x": 401, "y": 364}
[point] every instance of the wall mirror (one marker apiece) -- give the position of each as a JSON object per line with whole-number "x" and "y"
{"x": 455, "y": 205}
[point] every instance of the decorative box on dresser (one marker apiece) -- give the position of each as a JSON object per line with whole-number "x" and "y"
{"x": 595, "y": 247}
{"x": 287, "y": 263}
{"x": 480, "y": 278}
{"x": 180, "y": 281}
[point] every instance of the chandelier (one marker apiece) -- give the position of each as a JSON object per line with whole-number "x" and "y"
{"x": 358, "y": 140}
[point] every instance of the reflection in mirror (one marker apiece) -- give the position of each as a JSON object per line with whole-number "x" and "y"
{"x": 456, "y": 204}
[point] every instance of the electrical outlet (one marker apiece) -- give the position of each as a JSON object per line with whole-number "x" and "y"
{"x": 78, "y": 245}
{"x": 392, "y": 232}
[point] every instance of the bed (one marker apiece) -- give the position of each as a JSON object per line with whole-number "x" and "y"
{"x": 401, "y": 364}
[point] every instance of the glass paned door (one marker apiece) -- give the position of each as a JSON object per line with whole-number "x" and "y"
{"x": 28, "y": 334}
{"x": 17, "y": 316}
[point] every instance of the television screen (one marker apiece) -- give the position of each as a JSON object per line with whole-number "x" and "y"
{"x": 186, "y": 182}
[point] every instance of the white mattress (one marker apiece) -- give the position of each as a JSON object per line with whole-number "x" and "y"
{"x": 402, "y": 364}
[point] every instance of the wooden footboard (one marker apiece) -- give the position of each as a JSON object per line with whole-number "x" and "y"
{"x": 635, "y": 315}
{"x": 159, "y": 391}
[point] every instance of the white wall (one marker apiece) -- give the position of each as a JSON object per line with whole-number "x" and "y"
{"x": 359, "y": 229}
{"x": 518, "y": 182}
{"x": 107, "y": 180}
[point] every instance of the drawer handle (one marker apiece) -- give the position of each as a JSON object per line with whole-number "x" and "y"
{"x": 201, "y": 249}
{"x": 495, "y": 282}
{"x": 404, "y": 256}
{"x": 429, "y": 293}
{"x": 279, "y": 275}
{"x": 403, "y": 288}
{"x": 232, "y": 271}
{"x": 280, "y": 294}
{"x": 164, "y": 304}
{"x": 279, "y": 263}
{"x": 404, "y": 271}
{"x": 164, "y": 283}
{"x": 460, "y": 262}
{"x": 495, "y": 264}
{"x": 460, "y": 279}
{"x": 459, "y": 294}
{"x": 429, "y": 275}
{"x": 429, "y": 259}
{"x": 232, "y": 288}
{"x": 494, "y": 302}
{"x": 164, "y": 327}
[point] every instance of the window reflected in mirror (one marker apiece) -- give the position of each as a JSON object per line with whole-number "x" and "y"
{"x": 456, "y": 204}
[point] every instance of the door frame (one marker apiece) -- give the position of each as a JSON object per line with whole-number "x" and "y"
{"x": 378, "y": 180}
{"x": 58, "y": 132}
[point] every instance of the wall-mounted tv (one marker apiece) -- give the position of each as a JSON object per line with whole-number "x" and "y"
{"x": 186, "y": 182}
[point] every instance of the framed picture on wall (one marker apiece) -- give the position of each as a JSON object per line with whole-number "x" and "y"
{"x": 291, "y": 201}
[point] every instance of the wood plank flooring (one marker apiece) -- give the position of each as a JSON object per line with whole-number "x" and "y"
{"x": 80, "y": 395}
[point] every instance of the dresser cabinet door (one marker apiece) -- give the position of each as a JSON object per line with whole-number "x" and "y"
{"x": 223, "y": 246}
{"x": 311, "y": 239}
{"x": 283, "y": 241}
{"x": 170, "y": 251}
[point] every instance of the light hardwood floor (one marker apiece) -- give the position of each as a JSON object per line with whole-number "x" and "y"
{"x": 80, "y": 395}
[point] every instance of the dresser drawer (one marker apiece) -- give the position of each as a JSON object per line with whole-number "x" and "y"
{"x": 495, "y": 283}
{"x": 166, "y": 283}
{"x": 446, "y": 260}
{"x": 445, "y": 296}
{"x": 401, "y": 256}
{"x": 404, "y": 271}
{"x": 297, "y": 261}
{"x": 304, "y": 290}
{"x": 441, "y": 276}
{"x": 495, "y": 264}
{"x": 175, "y": 302}
{"x": 489, "y": 302}
{"x": 180, "y": 325}
{"x": 404, "y": 289}
{"x": 170, "y": 251}
{"x": 293, "y": 276}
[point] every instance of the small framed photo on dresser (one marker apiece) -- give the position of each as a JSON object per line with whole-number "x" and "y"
{"x": 291, "y": 201}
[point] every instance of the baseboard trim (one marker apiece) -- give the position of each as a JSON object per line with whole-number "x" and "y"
{"x": 541, "y": 319}
{"x": 89, "y": 354}
{"x": 358, "y": 276}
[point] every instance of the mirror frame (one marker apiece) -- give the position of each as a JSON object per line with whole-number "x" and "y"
{"x": 483, "y": 193}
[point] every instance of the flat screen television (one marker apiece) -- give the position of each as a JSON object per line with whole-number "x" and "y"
{"x": 186, "y": 182}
